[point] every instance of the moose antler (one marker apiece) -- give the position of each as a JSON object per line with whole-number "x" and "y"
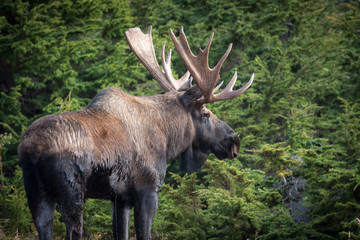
{"x": 142, "y": 46}
{"x": 205, "y": 77}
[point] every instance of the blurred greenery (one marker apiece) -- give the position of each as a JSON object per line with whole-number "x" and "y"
{"x": 298, "y": 171}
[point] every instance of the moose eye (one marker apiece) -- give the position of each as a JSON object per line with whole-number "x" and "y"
{"x": 205, "y": 115}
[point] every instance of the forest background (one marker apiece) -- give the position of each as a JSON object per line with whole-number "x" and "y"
{"x": 298, "y": 172}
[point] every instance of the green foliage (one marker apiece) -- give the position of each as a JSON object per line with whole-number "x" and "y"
{"x": 98, "y": 219}
{"x": 180, "y": 210}
{"x": 297, "y": 174}
{"x": 231, "y": 202}
{"x": 15, "y": 214}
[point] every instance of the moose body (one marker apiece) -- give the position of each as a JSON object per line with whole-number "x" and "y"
{"x": 117, "y": 148}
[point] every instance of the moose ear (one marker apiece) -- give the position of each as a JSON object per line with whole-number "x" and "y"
{"x": 190, "y": 95}
{"x": 192, "y": 159}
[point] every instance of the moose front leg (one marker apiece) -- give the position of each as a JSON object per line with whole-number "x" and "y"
{"x": 146, "y": 204}
{"x": 121, "y": 217}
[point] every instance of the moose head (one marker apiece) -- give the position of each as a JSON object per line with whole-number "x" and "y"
{"x": 212, "y": 134}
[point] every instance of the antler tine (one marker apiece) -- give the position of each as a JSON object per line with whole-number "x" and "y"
{"x": 218, "y": 87}
{"x": 223, "y": 58}
{"x": 204, "y": 77}
{"x": 184, "y": 82}
{"x": 142, "y": 46}
{"x": 228, "y": 92}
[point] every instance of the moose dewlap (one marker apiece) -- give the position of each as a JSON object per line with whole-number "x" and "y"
{"x": 118, "y": 146}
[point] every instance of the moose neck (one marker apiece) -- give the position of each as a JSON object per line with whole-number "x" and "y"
{"x": 175, "y": 123}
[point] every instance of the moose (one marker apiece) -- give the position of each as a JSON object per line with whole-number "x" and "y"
{"x": 117, "y": 147}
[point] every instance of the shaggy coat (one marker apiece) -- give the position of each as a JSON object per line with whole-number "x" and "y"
{"x": 116, "y": 148}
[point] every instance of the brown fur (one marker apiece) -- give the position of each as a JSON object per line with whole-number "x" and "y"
{"x": 140, "y": 131}
{"x": 116, "y": 148}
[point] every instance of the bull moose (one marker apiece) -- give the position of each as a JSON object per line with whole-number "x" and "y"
{"x": 118, "y": 146}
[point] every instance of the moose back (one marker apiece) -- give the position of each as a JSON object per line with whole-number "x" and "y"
{"x": 118, "y": 146}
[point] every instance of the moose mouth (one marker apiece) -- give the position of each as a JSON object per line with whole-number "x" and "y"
{"x": 223, "y": 151}
{"x": 234, "y": 151}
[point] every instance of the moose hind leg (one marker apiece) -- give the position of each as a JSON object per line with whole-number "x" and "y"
{"x": 41, "y": 205}
{"x": 71, "y": 212}
{"x": 43, "y": 215}
{"x": 70, "y": 201}
{"x": 146, "y": 204}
